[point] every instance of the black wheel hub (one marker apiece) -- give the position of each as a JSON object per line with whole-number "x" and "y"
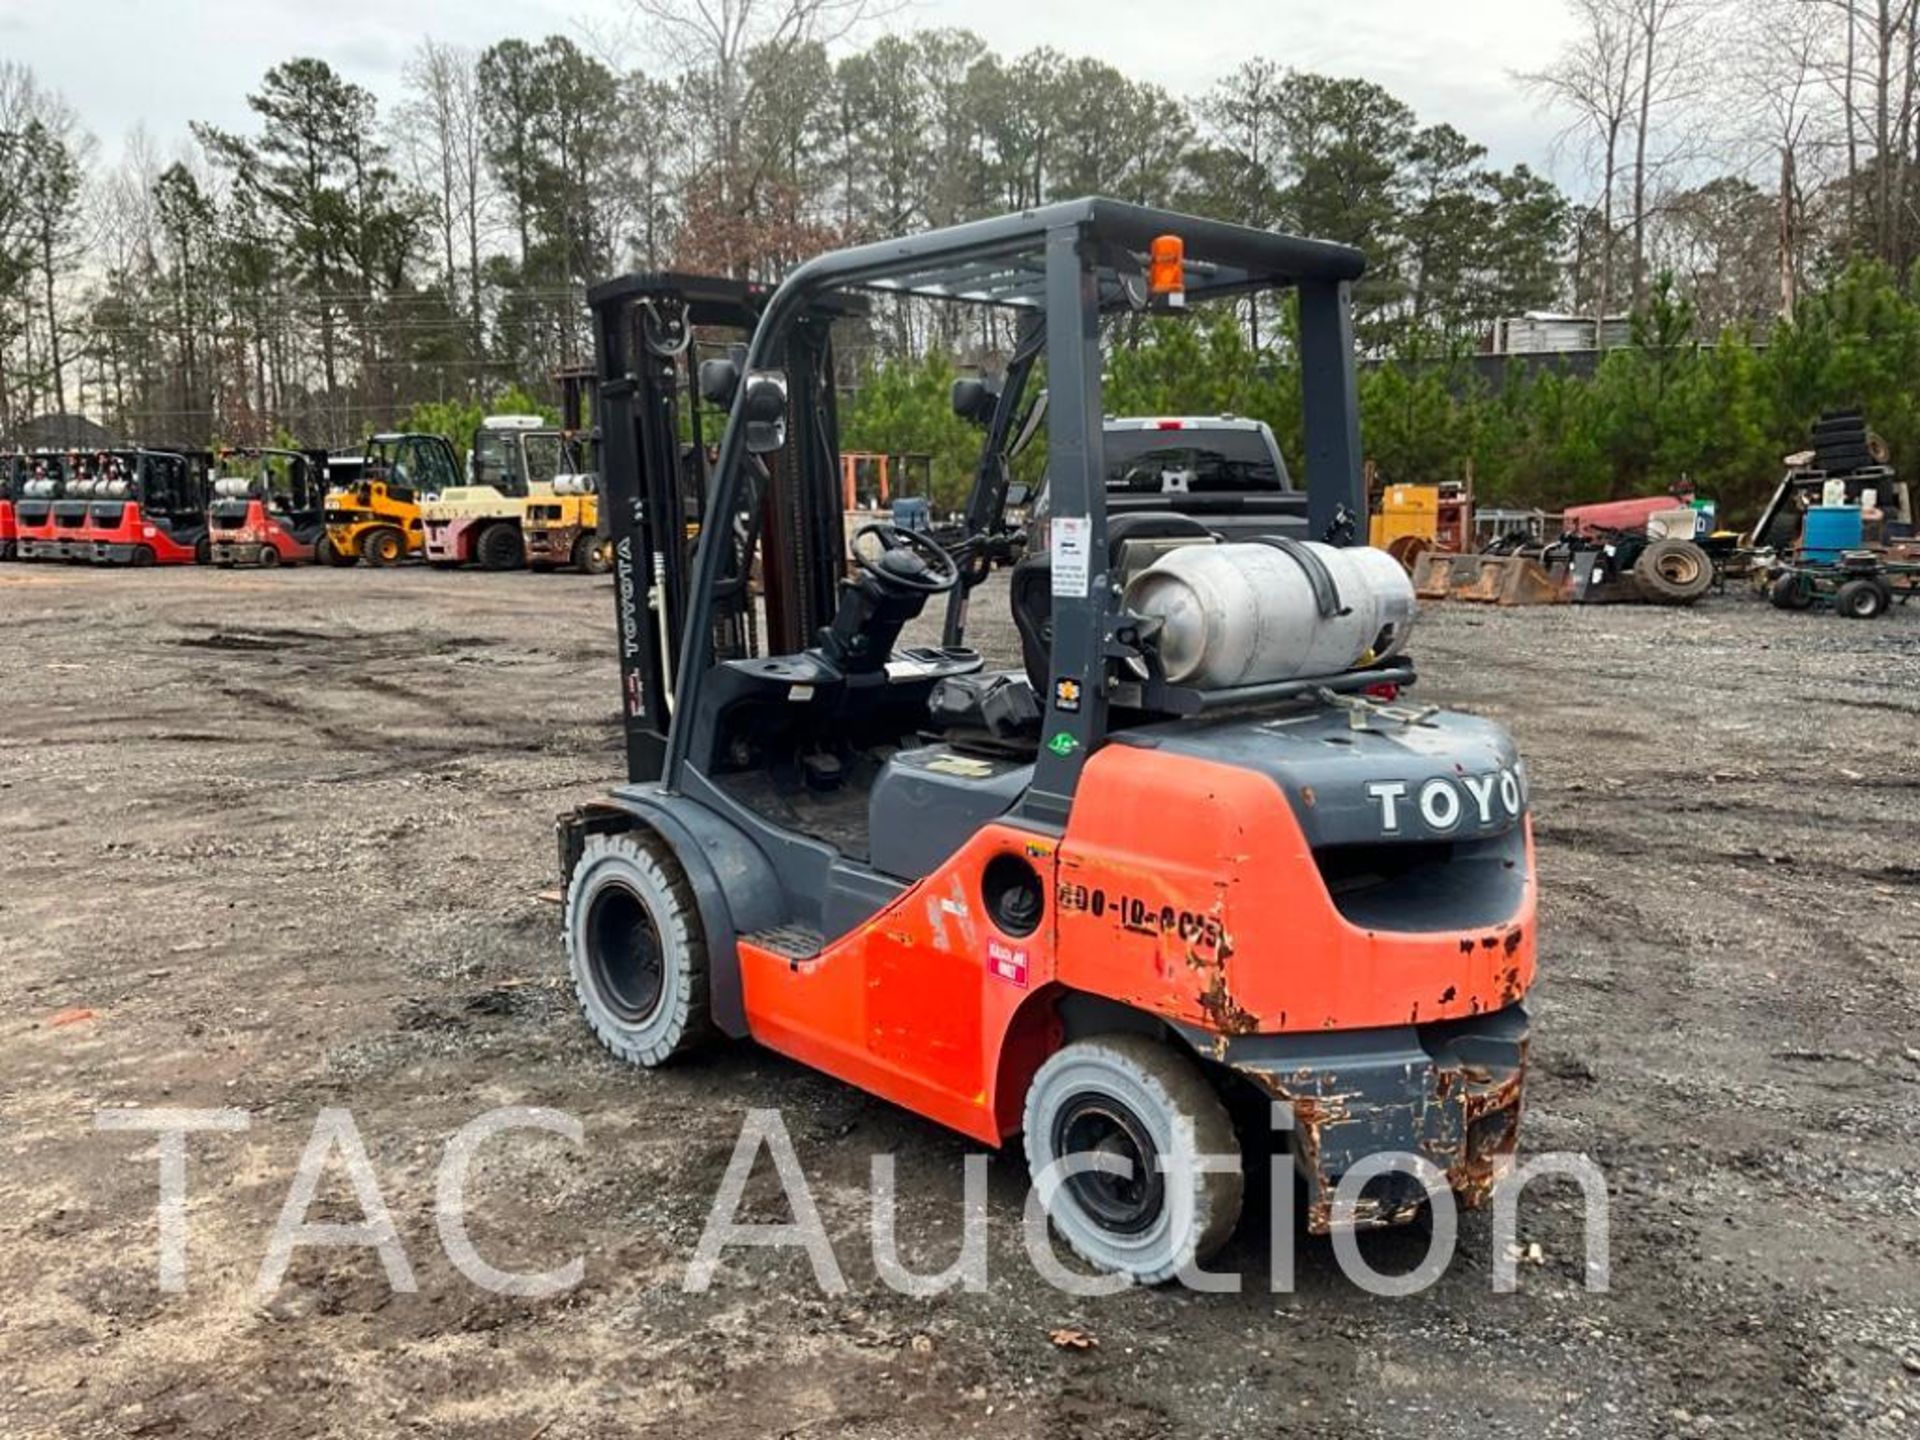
{"x": 623, "y": 952}
{"x": 1128, "y": 1192}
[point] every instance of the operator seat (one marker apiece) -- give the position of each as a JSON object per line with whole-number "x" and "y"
{"x": 1130, "y": 549}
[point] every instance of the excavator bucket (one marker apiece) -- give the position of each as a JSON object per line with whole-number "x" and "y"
{"x": 1487, "y": 579}
{"x": 1433, "y": 573}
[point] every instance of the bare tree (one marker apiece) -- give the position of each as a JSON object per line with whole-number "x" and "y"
{"x": 1595, "y": 80}
{"x": 1876, "y": 80}
{"x": 1666, "y": 35}
{"x": 54, "y": 155}
{"x": 711, "y": 42}
{"x": 1784, "y": 52}
{"x": 1890, "y": 39}
{"x": 443, "y": 141}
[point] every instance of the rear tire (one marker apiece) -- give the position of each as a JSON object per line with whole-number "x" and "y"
{"x": 1790, "y": 592}
{"x": 592, "y": 555}
{"x": 637, "y": 950}
{"x": 1673, "y": 572}
{"x": 382, "y": 547}
{"x": 142, "y": 556}
{"x": 499, "y": 548}
{"x": 269, "y": 557}
{"x": 1863, "y": 599}
{"x": 1137, "y": 1100}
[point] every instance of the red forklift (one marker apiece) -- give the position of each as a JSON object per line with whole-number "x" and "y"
{"x": 65, "y": 535}
{"x": 150, "y": 509}
{"x": 55, "y": 488}
{"x": 268, "y": 507}
{"x": 1107, "y": 900}
{"x": 15, "y": 471}
{"x": 42, "y": 479}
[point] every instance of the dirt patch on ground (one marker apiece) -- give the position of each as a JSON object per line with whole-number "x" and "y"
{"x": 283, "y": 836}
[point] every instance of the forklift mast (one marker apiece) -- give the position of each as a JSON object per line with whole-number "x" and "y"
{"x": 580, "y": 435}
{"x": 655, "y": 436}
{"x": 575, "y": 384}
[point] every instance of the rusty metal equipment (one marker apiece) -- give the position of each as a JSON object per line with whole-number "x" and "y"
{"x": 1488, "y": 579}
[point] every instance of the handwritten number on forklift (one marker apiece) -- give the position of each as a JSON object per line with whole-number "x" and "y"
{"x": 1142, "y": 917}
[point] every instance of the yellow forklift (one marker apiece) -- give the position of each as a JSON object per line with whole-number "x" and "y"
{"x": 375, "y": 516}
{"x": 565, "y": 527}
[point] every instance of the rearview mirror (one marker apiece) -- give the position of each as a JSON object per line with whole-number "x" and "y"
{"x": 765, "y": 411}
{"x": 974, "y": 399}
{"x": 719, "y": 378}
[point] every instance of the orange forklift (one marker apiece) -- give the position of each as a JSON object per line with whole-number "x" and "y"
{"x": 1165, "y": 873}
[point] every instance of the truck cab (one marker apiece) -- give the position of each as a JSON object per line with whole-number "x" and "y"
{"x": 1225, "y": 471}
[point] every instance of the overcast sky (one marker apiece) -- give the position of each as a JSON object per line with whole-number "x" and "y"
{"x": 162, "y": 63}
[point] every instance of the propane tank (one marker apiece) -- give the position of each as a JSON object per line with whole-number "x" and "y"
{"x": 1251, "y": 615}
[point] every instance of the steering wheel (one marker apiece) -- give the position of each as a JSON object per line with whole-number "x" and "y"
{"x": 908, "y": 560}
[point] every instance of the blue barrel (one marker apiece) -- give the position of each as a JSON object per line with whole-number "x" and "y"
{"x": 1829, "y": 530}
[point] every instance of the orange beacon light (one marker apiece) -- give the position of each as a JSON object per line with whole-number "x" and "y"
{"x": 1167, "y": 272}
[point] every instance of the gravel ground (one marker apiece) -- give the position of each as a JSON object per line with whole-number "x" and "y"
{"x": 280, "y": 840}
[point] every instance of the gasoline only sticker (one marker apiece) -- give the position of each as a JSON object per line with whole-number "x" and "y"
{"x": 1008, "y": 962}
{"x": 1070, "y": 555}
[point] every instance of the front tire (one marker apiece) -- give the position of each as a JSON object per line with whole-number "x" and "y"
{"x": 382, "y": 547}
{"x": 636, "y": 950}
{"x": 1790, "y": 592}
{"x": 592, "y": 555}
{"x": 1140, "y": 1102}
{"x": 1863, "y": 599}
{"x": 499, "y": 548}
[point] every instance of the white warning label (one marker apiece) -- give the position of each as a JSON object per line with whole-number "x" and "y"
{"x": 1072, "y": 564}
